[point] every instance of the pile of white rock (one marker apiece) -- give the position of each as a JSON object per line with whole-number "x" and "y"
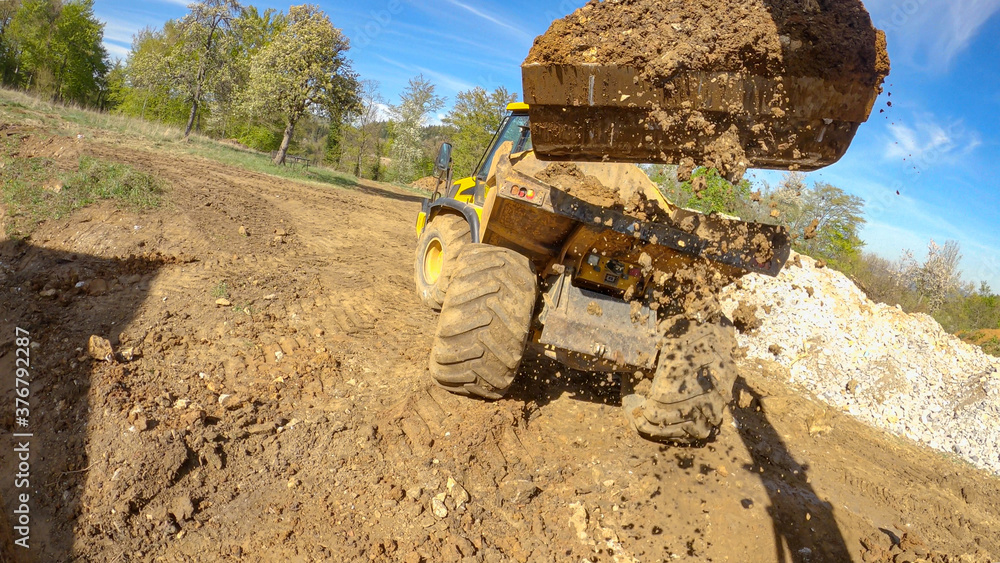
{"x": 899, "y": 372}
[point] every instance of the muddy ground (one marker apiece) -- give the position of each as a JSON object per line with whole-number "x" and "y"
{"x": 276, "y": 407}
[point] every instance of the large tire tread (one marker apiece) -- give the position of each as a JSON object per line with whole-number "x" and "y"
{"x": 693, "y": 385}
{"x": 484, "y": 323}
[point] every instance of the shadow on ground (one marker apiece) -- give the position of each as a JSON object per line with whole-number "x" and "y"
{"x": 59, "y": 299}
{"x": 805, "y": 529}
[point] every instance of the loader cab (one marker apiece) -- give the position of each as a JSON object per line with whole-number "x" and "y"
{"x": 514, "y": 128}
{"x": 468, "y": 195}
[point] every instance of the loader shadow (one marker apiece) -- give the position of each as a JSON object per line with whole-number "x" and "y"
{"x": 805, "y": 529}
{"x": 540, "y": 381}
{"x": 51, "y": 295}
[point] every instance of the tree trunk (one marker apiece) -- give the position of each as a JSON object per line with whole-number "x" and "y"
{"x": 59, "y": 79}
{"x": 194, "y": 109}
{"x": 361, "y": 153}
{"x": 279, "y": 159}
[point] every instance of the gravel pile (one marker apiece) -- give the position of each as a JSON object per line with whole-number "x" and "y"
{"x": 899, "y": 372}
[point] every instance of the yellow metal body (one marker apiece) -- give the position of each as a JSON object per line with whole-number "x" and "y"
{"x": 612, "y": 275}
{"x": 608, "y": 273}
{"x": 464, "y": 192}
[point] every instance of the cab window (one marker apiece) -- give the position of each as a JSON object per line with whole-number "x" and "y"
{"x": 514, "y": 129}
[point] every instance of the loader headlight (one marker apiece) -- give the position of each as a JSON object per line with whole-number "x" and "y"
{"x": 593, "y": 260}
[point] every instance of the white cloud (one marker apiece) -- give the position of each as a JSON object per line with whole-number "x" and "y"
{"x": 116, "y": 51}
{"x": 930, "y": 33}
{"x": 450, "y": 82}
{"x": 120, "y": 31}
{"x": 517, "y": 30}
{"x": 928, "y": 143}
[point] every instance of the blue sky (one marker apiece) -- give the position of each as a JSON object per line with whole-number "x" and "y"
{"x": 937, "y": 145}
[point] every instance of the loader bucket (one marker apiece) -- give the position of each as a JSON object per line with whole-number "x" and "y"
{"x": 780, "y": 84}
{"x": 592, "y": 112}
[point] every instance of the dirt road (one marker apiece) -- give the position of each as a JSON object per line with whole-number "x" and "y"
{"x": 276, "y": 407}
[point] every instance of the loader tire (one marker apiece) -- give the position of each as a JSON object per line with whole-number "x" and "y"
{"x": 483, "y": 328}
{"x": 437, "y": 249}
{"x": 692, "y": 385}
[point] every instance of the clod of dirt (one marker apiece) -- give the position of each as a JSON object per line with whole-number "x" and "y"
{"x": 594, "y": 309}
{"x": 182, "y": 508}
{"x": 745, "y": 318}
{"x": 569, "y": 178}
{"x": 810, "y": 232}
{"x": 100, "y": 348}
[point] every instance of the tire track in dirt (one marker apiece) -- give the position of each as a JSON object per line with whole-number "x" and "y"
{"x": 305, "y": 429}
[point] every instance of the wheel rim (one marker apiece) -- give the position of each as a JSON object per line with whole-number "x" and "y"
{"x": 433, "y": 260}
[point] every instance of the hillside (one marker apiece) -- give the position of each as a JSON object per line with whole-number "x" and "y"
{"x": 238, "y": 373}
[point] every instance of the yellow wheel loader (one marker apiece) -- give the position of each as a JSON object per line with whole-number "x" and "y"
{"x": 513, "y": 261}
{"x": 529, "y": 252}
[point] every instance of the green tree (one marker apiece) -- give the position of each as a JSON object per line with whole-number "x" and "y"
{"x": 80, "y": 61}
{"x": 55, "y": 49}
{"x": 147, "y": 87}
{"x": 305, "y": 68}
{"x": 8, "y": 60}
{"x": 30, "y": 36}
{"x": 249, "y": 34}
{"x": 824, "y": 221}
{"x": 829, "y": 224}
{"x": 707, "y": 191}
{"x": 937, "y": 277}
{"x": 416, "y": 103}
{"x": 476, "y": 116}
{"x": 197, "y": 56}
{"x": 364, "y": 128}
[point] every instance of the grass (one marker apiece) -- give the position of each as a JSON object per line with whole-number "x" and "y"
{"x": 18, "y": 107}
{"x": 261, "y": 162}
{"x": 220, "y": 291}
{"x": 35, "y": 191}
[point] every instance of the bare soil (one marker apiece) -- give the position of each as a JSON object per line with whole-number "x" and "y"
{"x": 828, "y": 39}
{"x": 568, "y": 177}
{"x": 297, "y": 422}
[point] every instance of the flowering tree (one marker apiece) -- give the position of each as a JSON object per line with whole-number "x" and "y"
{"x": 304, "y": 68}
